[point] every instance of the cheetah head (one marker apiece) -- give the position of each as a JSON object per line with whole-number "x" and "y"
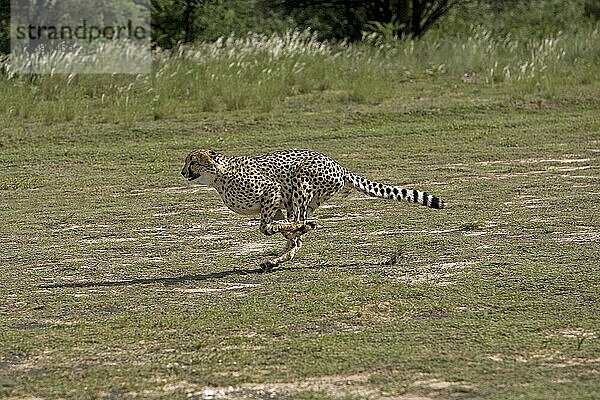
{"x": 201, "y": 165}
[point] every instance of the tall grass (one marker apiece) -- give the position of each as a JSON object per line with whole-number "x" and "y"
{"x": 257, "y": 72}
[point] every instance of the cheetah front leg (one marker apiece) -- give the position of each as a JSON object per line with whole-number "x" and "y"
{"x": 292, "y": 231}
{"x": 270, "y": 209}
{"x": 299, "y": 209}
{"x": 291, "y": 248}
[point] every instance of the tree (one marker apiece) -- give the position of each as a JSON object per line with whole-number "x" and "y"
{"x": 173, "y": 21}
{"x": 4, "y": 26}
{"x": 424, "y": 13}
{"x": 405, "y": 18}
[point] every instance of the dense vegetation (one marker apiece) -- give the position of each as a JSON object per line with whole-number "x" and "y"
{"x": 530, "y": 49}
{"x": 185, "y": 21}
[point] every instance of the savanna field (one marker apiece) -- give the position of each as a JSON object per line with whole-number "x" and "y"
{"x": 119, "y": 279}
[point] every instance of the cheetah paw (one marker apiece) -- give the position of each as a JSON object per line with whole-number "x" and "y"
{"x": 306, "y": 227}
{"x": 268, "y": 266}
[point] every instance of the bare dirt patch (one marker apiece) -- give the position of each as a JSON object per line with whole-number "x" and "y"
{"x": 255, "y": 247}
{"x": 577, "y": 333}
{"x": 438, "y": 385}
{"x": 226, "y": 288}
{"x": 334, "y": 386}
{"x": 170, "y": 189}
{"x": 443, "y": 274}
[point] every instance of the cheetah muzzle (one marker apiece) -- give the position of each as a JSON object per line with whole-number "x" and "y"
{"x": 285, "y": 188}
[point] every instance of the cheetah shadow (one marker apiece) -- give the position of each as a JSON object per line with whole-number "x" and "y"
{"x": 167, "y": 280}
{"x": 176, "y": 280}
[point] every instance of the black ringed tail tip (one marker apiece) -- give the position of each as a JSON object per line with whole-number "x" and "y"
{"x": 394, "y": 192}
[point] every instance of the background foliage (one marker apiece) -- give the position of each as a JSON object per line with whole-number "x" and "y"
{"x": 257, "y": 56}
{"x": 184, "y": 21}
{"x": 206, "y": 20}
{"x": 4, "y": 26}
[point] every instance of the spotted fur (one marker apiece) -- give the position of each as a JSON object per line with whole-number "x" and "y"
{"x": 285, "y": 187}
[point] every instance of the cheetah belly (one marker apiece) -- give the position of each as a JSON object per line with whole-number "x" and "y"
{"x": 245, "y": 206}
{"x": 241, "y": 199}
{"x": 244, "y": 210}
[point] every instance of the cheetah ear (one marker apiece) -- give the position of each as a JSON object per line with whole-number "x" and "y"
{"x": 216, "y": 159}
{"x": 213, "y": 158}
{"x": 203, "y": 156}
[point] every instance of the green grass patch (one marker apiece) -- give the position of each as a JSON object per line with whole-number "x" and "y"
{"x": 121, "y": 280}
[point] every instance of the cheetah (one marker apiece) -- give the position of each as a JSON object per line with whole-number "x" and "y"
{"x": 285, "y": 188}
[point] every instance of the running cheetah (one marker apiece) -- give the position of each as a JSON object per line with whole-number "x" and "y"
{"x": 285, "y": 187}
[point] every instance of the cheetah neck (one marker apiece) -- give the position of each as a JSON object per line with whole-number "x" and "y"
{"x": 219, "y": 185}
{"x": 221, "y": 165}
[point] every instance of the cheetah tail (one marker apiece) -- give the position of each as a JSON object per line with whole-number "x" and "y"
{"x": 393, "y": 192}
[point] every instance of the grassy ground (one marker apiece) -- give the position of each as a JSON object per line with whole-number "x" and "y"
{"x": 120, "y": 280}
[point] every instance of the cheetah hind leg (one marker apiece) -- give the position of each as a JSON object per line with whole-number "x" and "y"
{"x": 279, "y": 216}
{"x": 297, "y": 228}
{"x": 289, "y": 252}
